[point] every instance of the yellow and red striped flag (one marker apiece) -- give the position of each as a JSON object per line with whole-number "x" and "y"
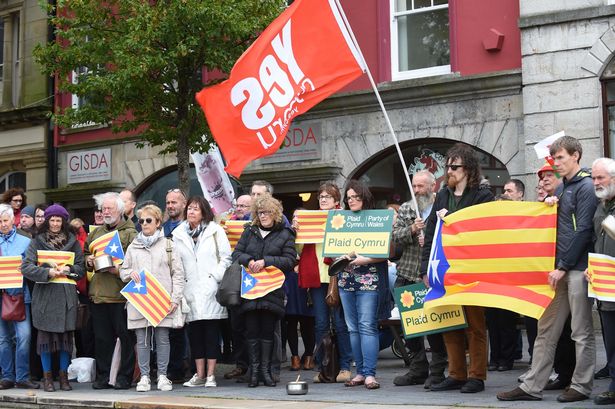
{"x": 255, "y": 285}
{"x": 10, "y": 273}
{"x": 149, "y": 297}
{"x": 56, "y": 259}
{"x": 234, "y": 228}
{"x": 110, "y": 244}
{"x": 601, "y": 274}
{"x": 496, "y": 254}
{"x": 311, "y": 226}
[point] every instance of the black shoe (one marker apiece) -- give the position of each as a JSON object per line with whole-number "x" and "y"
{"x": 602, "y": 373}
{"x": 6, "y": 384}
{"x": 265, "y": 367}
{"x": 504, "y": 368}
{"x": 605, "y": 398}
{"x": 121, "y": 384}
{"x": 473, "y": 385}
{"x": 492, "y": 367}
{"x": 27, "y": 384}
{"x": 449, "y": 384}
{"x": 101, "y": 384}
{"x": 557, "y": 384}
{"x": 409, "y": 379}
{"x": 433, "y": 380}
{"x": 254, "y": 353}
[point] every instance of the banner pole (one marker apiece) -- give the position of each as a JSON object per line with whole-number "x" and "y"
{"x": 384, "y": 112}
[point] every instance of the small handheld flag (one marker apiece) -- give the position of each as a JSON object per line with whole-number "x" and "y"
{"x": 234, "y": 228}
{"x": 601, "y": 273}
{"x": 255, "y": 285}
{"x": 56, "y": 259}
{"x": 110, "y": 244}
{"x": 10, "y": 274}
{"x": 149, "y": 297}
{"x": 312, "y": 225}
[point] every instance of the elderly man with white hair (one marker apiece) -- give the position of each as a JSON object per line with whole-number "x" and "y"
{"x": 107, "y": 309}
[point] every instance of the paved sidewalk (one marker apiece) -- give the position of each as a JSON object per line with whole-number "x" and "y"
{"x": 229, "y": 394}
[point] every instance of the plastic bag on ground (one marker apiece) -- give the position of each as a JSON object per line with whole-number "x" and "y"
{"x": 82, "y": 369}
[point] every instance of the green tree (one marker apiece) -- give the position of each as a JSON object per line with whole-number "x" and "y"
{"x": 141, "y": 63}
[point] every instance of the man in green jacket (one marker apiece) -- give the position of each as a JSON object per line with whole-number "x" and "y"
{"x": 108, "y": 310}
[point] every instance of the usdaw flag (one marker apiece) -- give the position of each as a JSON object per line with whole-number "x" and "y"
{"x": 305, "y": 55}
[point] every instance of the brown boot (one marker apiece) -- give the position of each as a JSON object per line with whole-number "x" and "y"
{"x": 295, "y": 363}
{"x": 64, "y": 385}
{"x": 308, "y": 362}
{"x": 48, "y": 382}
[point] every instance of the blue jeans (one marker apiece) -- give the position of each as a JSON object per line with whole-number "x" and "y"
{"x": 15, "y": 356}
{"x": 361, "y": 313}
{"x": 321, "y": 319}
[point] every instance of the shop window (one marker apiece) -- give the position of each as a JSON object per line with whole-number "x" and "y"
{"x": 419, "y": 38}
{"x": 384, "y": 176}
{"x": 13, "y": 179}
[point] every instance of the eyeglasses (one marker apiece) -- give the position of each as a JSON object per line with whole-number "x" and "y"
{"x": 264, "y": 213}
{"x": 325, "y": 197}
{"x": 147, "y": 220}
{"x": 177, "y": 191}
{"x": 241, "y": 206}
{"x": 17, "y": 200}
{"x": 454, "y": 167}
{"x": 356, "y": 198}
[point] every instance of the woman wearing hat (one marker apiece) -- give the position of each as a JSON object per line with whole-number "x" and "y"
{"x": 54, "y": 299}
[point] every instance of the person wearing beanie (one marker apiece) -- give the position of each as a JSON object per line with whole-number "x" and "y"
{"x": 27, "y": 220}
{"x": 54, "y": 298}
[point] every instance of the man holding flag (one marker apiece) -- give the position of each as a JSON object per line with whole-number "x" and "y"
{"x": 108, "y": 310}
{"x": 463, "y": 190}
{"x": 576, "y": 207}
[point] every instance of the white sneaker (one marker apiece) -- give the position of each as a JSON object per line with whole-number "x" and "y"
{"x": 144, "y": 384}
{"x": 164, "y": 383}
{"x": 210, "y": 382}
{"x": 195, "y": 381}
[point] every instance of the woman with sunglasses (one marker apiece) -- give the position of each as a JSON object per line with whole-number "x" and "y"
{"x": 265, "y": 243}
{"x": 206, "y": 254}
{"x": 151, "y": 251}
{"x": 364, "y": 294}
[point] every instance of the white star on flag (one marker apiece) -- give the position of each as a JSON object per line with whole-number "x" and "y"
{"x": 247, "y": 281}
{"x": 138, "y": 286}
{"x": 113, "y": 248}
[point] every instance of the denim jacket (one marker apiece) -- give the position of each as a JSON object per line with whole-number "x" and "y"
{"x": 15, "y": 244}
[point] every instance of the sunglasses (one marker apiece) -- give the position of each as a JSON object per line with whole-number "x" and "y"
{"x": 146, "y": 220}
{"x": 177, "y": 191}
{"x": 454, "y": 167}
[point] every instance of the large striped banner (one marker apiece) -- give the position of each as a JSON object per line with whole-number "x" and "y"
{"x": 601, "y": 275}
{"x": 10, "y": 273}
{"x": 234, "y": 228}
{"x": 496, "y": 254}
{"x": 56, "y": 259}
{"x": 256, "y": 285}
{"x": 312, "y": 225}
{"x": 149, "y": 297}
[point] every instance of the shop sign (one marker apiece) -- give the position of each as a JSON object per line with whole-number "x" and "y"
{"x": 366, "y": 232}
{"x": 88, "y": 166}
{"x": 302, "y": 142}
{"x": 416, "y": 321}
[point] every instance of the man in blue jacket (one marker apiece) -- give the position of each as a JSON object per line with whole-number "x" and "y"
{"x": 577, "y": 204}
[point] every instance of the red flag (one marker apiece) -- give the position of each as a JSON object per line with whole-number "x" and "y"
{"x": 304, "y": 56}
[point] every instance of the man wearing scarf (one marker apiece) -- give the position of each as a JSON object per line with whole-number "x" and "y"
{"x": 108, "y": 310}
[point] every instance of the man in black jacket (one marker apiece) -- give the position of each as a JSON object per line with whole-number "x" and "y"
{"x": 577, "y": 204}
{"x": 463, "y": 190}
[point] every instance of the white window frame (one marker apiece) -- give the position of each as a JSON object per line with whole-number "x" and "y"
{"x": 7, "y": 177}
{"x": 397, "y": 75}
{"x": 75, "y": 99}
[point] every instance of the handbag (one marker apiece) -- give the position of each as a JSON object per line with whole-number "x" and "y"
{"x": 229, "y": 290}
{"x": 333, "y": 294}
{"x": 13, "y": 307}
{"x": 330, "y": 360}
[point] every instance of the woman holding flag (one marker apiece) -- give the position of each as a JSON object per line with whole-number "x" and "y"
{"x": 151, "y": 251}
{"x": 54, "y": 261}
{"x": 266, "y": 250}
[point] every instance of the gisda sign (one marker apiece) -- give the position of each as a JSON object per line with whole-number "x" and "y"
{"x": 302, "y": 142}
{"x": 88, "y": 166}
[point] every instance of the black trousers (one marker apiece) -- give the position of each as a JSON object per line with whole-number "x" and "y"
{"x": 238, "y": 328}
{"x": 502, "y": 326}
{"x": 260, "y": 324}
{"x": 177, "y": 341}
{"x": 306, "y": 325}
{"x": 109, "y": 322}
{"x": 565, "y": 354}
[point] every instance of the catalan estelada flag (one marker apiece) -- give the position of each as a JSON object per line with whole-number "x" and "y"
{"x": 496, "y": 254}
{"x": 312, "y": 225}
{"x": 10, "y": 274}
{"x": 149, "y": 297}
{"x": 601, "y": 274}
{"x": 109, "y": 244}
{"x": 56, "y": 259}
{"x": 234, "y": 228}
{"x": 255, "y": 285}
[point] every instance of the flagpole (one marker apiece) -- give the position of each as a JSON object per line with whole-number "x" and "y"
{"x": 386, "y": 116}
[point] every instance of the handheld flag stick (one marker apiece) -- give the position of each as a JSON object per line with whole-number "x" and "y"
{"x": 384, "y": 112}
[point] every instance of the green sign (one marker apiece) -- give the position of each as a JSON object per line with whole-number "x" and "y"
{"x": 416, "y": 321}
{"x": 366, "y": 232}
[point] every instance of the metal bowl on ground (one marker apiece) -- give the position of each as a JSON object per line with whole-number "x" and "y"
{"x": 103, "y": 263}
{"x": 297, "y": 388}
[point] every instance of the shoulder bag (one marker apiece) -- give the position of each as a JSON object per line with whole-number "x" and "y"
{"x": 229, "y": 290}
{"x": 13, "y": 307}
{"x": 333, "y": 294}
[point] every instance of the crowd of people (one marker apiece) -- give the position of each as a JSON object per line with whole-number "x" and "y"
{"x": 187, "y": 250}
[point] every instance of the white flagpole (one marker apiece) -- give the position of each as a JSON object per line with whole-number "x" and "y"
{"x": 386, "y": 116}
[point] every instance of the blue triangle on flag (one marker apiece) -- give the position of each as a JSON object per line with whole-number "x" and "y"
{"x": 247, "y": 281}
{"x": 438, "y": 265}
{"x": 135, "y": 288}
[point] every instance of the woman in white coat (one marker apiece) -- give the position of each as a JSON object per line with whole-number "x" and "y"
{"x": 206, "y": 254}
